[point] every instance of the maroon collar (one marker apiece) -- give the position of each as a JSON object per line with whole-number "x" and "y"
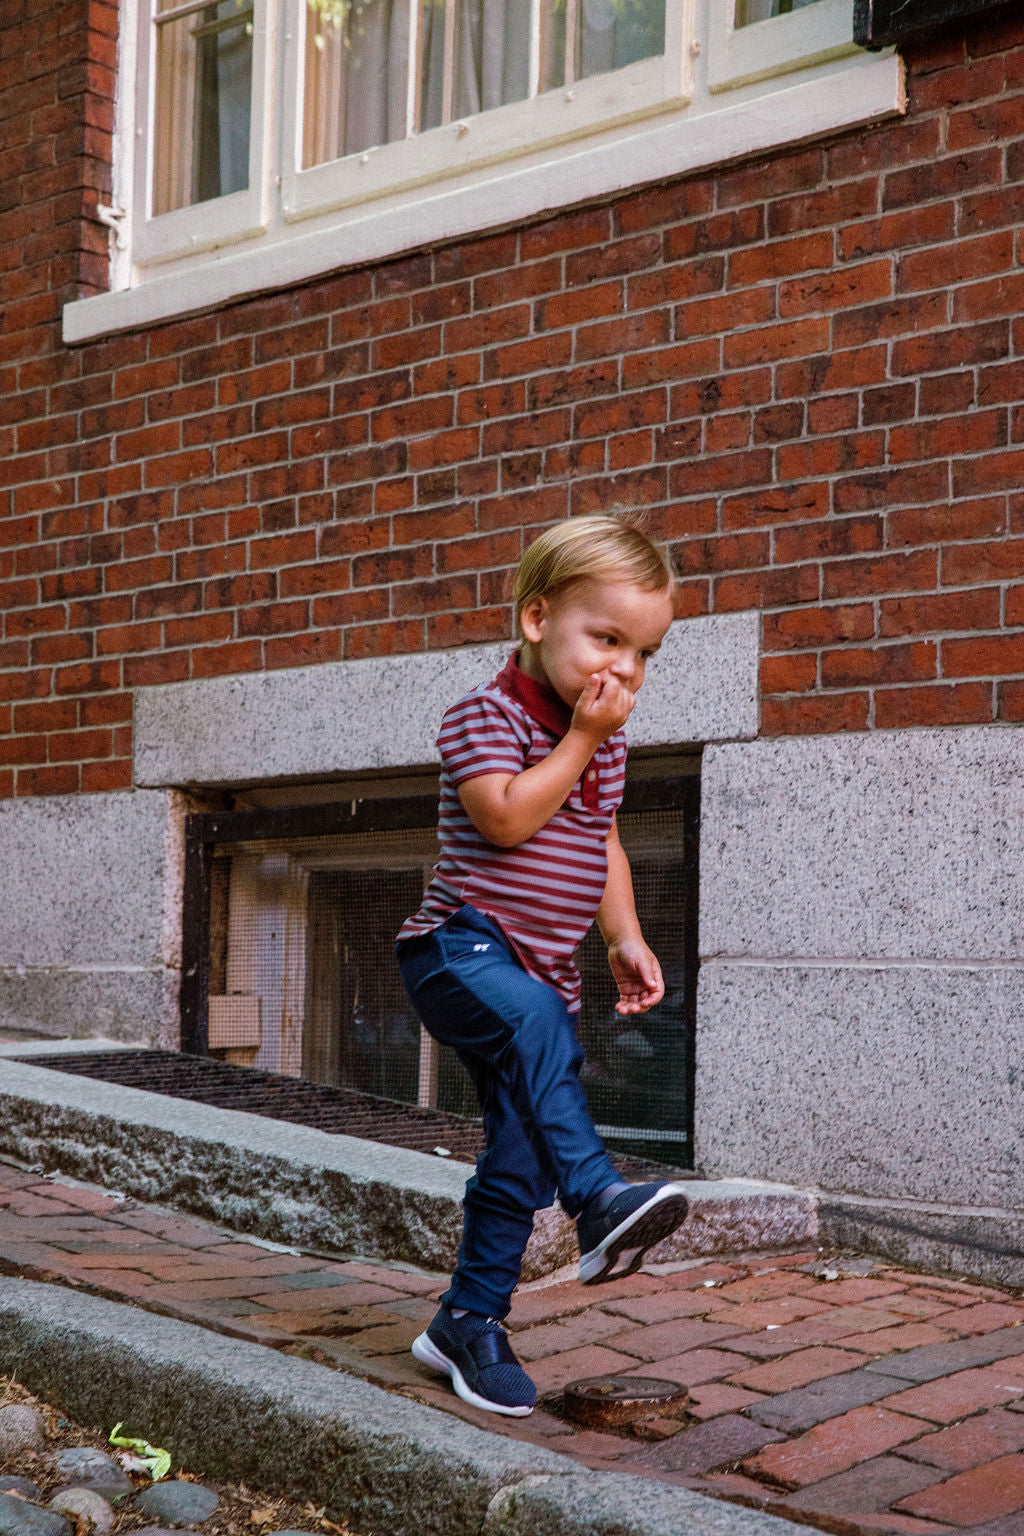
{"x": 539, "y": 700}
{"x": 542, "y": 703}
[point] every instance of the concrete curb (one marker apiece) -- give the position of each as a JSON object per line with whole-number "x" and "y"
{"x": 312, "y": 1189}
{"x": 385, "y": 1463}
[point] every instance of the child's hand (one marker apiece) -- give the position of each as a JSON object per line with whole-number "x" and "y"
{"x": 637, "y": 976}
{"x": 603, "y": 707}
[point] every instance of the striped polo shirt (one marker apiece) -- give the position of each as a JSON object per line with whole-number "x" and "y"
{"x": 543, "y": 893}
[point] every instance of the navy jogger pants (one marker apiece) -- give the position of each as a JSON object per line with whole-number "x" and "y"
{"x": 518, "y": 1042}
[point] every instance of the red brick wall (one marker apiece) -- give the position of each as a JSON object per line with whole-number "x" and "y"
{"x": 810, "y": 368}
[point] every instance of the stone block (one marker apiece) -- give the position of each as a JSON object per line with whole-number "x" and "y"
{"x": 852, "y": 1079}
{"x": 90, "y": 914}
{"x": 875, "y": 846}
{"x": 293, "y": 1184}
{"x": 384, "y": 712}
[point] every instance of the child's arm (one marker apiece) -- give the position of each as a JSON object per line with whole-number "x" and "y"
{"x": 508, "y": 808}
{"x": 634, "y": 966}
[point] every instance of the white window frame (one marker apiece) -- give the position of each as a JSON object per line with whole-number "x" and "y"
{"x": 685, "y": 112}
{"x": 815, "y": 34}
{"x": 487, "y": 138}
{"x": 201, "y": 227}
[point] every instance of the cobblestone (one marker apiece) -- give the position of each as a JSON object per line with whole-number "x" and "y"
{"x": 876, "y": 1400}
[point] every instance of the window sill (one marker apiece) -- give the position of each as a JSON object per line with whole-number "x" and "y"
{"x": 857, "y": 90}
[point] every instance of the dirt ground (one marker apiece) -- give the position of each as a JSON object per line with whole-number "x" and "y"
{"x": 242, "y": 1511}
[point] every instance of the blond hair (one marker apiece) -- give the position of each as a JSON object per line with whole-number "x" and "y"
{"x": 600, "y": 547}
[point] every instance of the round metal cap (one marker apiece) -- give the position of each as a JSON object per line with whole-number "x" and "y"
{"x": 602, "y": 1400}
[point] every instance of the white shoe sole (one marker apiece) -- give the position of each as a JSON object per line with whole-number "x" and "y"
{"x": 655, "y": 1220}
{"x": 427, "y": 1353}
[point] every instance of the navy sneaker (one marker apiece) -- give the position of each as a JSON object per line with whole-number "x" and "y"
{"x": 618, "y": 1226}
{"x": 475, "y": 1353}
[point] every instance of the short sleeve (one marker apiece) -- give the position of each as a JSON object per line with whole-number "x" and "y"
{"x": 477, "y": 736}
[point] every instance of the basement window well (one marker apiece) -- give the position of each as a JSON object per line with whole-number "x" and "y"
{"x": 288, "y": 959}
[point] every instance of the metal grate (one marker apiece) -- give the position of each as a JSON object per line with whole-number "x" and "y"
{"x": 339, "y": 1110}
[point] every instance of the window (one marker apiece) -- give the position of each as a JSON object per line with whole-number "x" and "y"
{"x": 268, "y": 141}
{"x": 767, "y": 38}
{"x": 389, "y": 69}
{"x": 749, "y": 11}
{"x": 203, "y": 102}
{"x": 289, "y": 967}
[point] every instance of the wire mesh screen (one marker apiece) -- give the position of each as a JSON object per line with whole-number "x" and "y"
{"x": 301, "y": 952}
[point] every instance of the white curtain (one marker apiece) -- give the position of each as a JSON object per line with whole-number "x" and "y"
{"x": 748, "y": 11}
{"x": 357, "y": 76}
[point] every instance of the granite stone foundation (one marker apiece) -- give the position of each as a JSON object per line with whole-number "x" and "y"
{"x": 383, "y": 713}
{"x": 90, "y": 915}
{"x": 862, "y": 985}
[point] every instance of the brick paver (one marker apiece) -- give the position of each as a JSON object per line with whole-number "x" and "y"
{"x": 984, "y": 1493}
{"x": 985, "y": 1437}
{"x": 835, "y": 1446}
{"x": 953, "y": 1397}
{"x": 847, "y": 1393}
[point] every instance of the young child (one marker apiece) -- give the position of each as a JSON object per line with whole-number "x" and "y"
{"x": 533, "y": 769}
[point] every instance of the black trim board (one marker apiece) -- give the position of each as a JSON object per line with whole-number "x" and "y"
{"x": 882, "y": 23}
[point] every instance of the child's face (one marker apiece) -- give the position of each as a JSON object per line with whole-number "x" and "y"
{"x": 593, "y": 626}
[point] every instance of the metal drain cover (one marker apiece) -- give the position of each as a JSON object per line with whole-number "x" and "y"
{"x": 602, "y": 1400}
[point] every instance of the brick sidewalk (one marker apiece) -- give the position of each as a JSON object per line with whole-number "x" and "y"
{"x": 859, "y": 1398}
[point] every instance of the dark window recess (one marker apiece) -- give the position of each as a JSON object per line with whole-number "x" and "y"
{"x": 289, "y": 963}
{"x": 881, "y": 23}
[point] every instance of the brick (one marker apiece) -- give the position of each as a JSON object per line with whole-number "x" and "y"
{"x": 954, "y": 1396}
{"x": 701, "y": 1449}
{"x": 574, "y": 1333}
{"x": 984, "y": 656}
{"x": 834, "y": 1446}
{"x": 951, "y": 264}
{"x": 777, "y": 1312}
{"x": 986, "y": 1317}
{"x": 801, "y": 628}
{"x": 780, "y": 259}
{"x": 823, "y": 539}
{"x": 869, "y": 1488}
{"x": 804, "y": 1407}
{"x": 949, "y": 524}
{"x": 552, "y": 1374}
{"x": 676, "y": 1336}
{"x": 879, "y": 574}
{"x": 880, "y": 664}
{"x": 988, "y": 472}
{"x": 932, "y": 1361}
{"x": 694, "y": 1367}
{"x": 983, "y": 1438}
{"x": 709, "y": 1400}
{"x": 969, "y": 1498}
{"x": 938, "y": 351}
{"x": 795, "y": 1370}
{"x": 983, "y": 561}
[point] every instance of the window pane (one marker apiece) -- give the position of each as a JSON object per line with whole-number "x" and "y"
{"x": 360, "y": 1029}
{"x": 613, "y": 33}
{"x": 492, "y": 62}
{"x": 431, "y": 111}
{"x": 748, "y": 11}
{"x": 637, "y": 1066}
{"x": 203, "y": 104}
{"x": 553, "y": 19}
{"x": 356, "y": 80}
